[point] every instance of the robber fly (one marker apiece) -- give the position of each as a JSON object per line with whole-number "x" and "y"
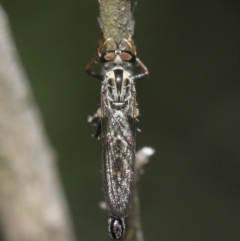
{"x": 116, "y": 126}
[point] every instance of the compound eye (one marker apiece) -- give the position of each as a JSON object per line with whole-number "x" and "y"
{"x": 125, "y": 56}
{"x": 109, "y": 56}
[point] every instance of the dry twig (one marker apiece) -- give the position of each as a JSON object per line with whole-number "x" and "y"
{"x": 32, "y": 203}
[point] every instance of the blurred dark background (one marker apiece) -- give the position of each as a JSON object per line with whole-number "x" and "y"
{"x": 190, "y": 110}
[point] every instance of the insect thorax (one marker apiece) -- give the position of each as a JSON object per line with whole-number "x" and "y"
{"x": 118, "y": 87}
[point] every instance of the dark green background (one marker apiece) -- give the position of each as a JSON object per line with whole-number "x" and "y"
{"x": 190, "y": 110}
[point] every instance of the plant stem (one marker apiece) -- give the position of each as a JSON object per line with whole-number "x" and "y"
{"x": 116, "y": 19}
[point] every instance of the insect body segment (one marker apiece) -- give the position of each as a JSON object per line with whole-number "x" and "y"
{"x": 116, "y": 228}
{"x": 118, "y": 86}
{"x": 116, "y": 127}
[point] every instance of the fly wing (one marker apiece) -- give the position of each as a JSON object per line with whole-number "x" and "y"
{"x": 118, "y": 157}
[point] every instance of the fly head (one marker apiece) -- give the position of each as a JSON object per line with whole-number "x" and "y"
{"x": 113, "y": 53}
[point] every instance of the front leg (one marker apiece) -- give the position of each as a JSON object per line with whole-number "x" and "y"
{"x": 90, "y": 71}
{"x": 143, "y": 67}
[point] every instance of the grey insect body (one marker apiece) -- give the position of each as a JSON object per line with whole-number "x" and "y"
{"x": 116, "y": 128}
{"x": 118, "y": 140}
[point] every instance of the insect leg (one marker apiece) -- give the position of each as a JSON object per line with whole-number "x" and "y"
{"x": 90, "y": 71}
{"x": 96, "y": 121}
{"x": 143, "y": 67}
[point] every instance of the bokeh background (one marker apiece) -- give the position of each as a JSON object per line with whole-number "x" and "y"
{"x": 190, "y": 110}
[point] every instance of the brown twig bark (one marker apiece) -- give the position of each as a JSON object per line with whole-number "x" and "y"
{"x": 116, "y": 19}
{"x": 32, "y": 203}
